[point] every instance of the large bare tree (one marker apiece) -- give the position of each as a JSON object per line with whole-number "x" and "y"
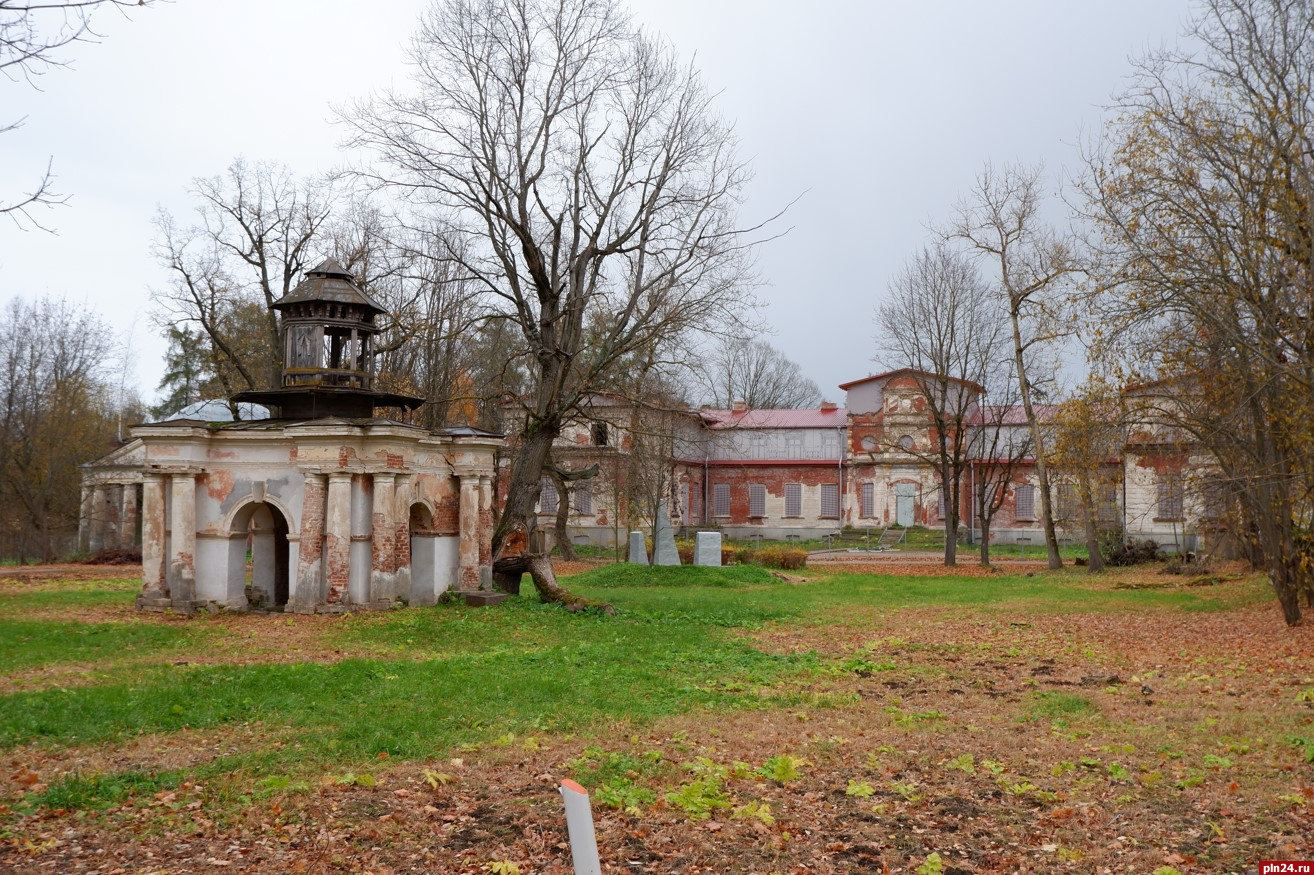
{"x": 1203, "y": 192}
{"x": 579, "y": 169}
{"x": 32, "y": 35}
{"x": 940, "y": 320}
{"x": 1002, "y": 220}
{"x": 756, "y": 373}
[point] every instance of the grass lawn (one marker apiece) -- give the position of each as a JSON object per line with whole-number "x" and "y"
{"x": 725, "y": 720}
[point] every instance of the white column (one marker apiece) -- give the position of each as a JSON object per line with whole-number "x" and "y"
{"x": 337, "y": 538}
{"x": 128, "y": 517}
{"x": 182, "y": 558}
{"x": 308, "y": 589}
{"x": 467, "y": 575}
{"x": 154, "y": 581}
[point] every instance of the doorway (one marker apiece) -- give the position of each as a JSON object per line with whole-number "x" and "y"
{"x": 905, "y": 497}
{"x": 266, "y": 532}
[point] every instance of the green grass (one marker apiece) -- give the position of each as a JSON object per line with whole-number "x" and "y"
{"x": 423, "y": 682}
{"x": 28, "y": 644}
{"x": 578, "y": 671}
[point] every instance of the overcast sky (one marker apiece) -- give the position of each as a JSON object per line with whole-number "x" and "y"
{"x": 877, "y": 113}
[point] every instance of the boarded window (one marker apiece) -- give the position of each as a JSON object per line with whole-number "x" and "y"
{"x": 793, "y": 499}
{"x": 1026, "y": 502}
{"x": 582, "y": 498}
{"x": 756, "y": 500}
{"x": 868, "y": 500}
{"x": 1106, "y": 503}
{"x": 1065, "y": 511}
{"x": 1213, "y": 499}
{"x": 599, "y": 434}
{"x": 829, "y": 501}
{"x": 1170, "y": 497}
{"x": 721, "y": 499}
{"x": 547, "y": 498}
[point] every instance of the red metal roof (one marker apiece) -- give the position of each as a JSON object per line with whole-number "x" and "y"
{"x": 776, "y": 418}
{"x": 898, "y": 371}
{"x": 1011, "y": 415}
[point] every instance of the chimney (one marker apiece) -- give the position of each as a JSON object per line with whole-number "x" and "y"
{"x": 738, "y": 406}
{"x": 828, "y": 406}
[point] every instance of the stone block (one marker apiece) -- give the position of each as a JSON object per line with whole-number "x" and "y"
{"x": 484, "y": 599}
{"x": 707, "y": 549}
{"x": 638, "y": 549}
{"x": 663, "y": 547}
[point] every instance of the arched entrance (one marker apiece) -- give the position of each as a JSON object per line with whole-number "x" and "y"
{"x": 433, "y": 553}
{"x": 261, "y": 529}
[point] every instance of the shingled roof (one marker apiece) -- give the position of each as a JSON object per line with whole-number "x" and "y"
{"x": 329, "y": 281}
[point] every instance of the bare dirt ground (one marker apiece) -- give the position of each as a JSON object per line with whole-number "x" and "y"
{"x": 1091, "y": 742}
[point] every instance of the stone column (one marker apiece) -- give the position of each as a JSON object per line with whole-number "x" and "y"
{"x": 84, "y": 519}
{"x": 383, "y": 536}
{"x": 99, "y": 504}
{"x": 307, "y": 590}
{"x": 128, "y": 517}
{"x": 467, "y": 562}
{"x": 154, "y": 581}
{"x": 485, "y": 532}
{"x": 182, "y": 558}
{"x": 403, "y": 493}
{"x": 337, "y": 538}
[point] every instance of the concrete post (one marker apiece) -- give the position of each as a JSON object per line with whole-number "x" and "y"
{"x": 467, "y": 574}
{"x": 307, "y": 590}
{"x": 128, "y": 517}
{"x": 154, "y": 581}
{"x": 99, "y": 504}
{"x": 182, "y": 558}
{"x": 337, "y": 538}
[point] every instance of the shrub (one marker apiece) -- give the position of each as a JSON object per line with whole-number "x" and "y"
{"x": 788, "y": 558}
{"x": 1131, "y": 552}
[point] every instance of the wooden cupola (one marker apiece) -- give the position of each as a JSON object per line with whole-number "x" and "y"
{"x": 328, "y": 351}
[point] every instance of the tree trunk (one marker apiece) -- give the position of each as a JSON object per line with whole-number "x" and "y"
{"x": 950, "y": 527}
{"x": 515, "y": 530}
{"x": 1042, "y": 471}
{"x": 1094, "y": 561}
{"x": 985, "y": 540}
{"x": 564, "y": 545}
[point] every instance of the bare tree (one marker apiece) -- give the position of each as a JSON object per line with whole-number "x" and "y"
{"x": 53, "y": 417}
{"x": 939, "y": 319}
{"x": 1001, "y": 221}
{"x": 257, "y": 229}
{"x": 32, "y": 33}
{"x": 756, "y": 373}
{"x": 578, "y": 169}
{"x": 1000, "y": 447}
{"x": 1203, "y": 193}
{"x": 1087, "y": 430}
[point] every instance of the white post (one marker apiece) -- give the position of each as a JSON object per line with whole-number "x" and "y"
{"x": 579, "y": 826}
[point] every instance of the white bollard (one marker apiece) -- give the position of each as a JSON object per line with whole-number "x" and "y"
{"x": 579, "y": 826}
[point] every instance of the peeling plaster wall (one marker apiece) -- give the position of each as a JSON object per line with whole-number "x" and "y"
{"x": 320, "y": 476}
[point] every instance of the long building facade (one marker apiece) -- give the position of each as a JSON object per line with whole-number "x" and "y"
{"x": 866, "y": 465}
